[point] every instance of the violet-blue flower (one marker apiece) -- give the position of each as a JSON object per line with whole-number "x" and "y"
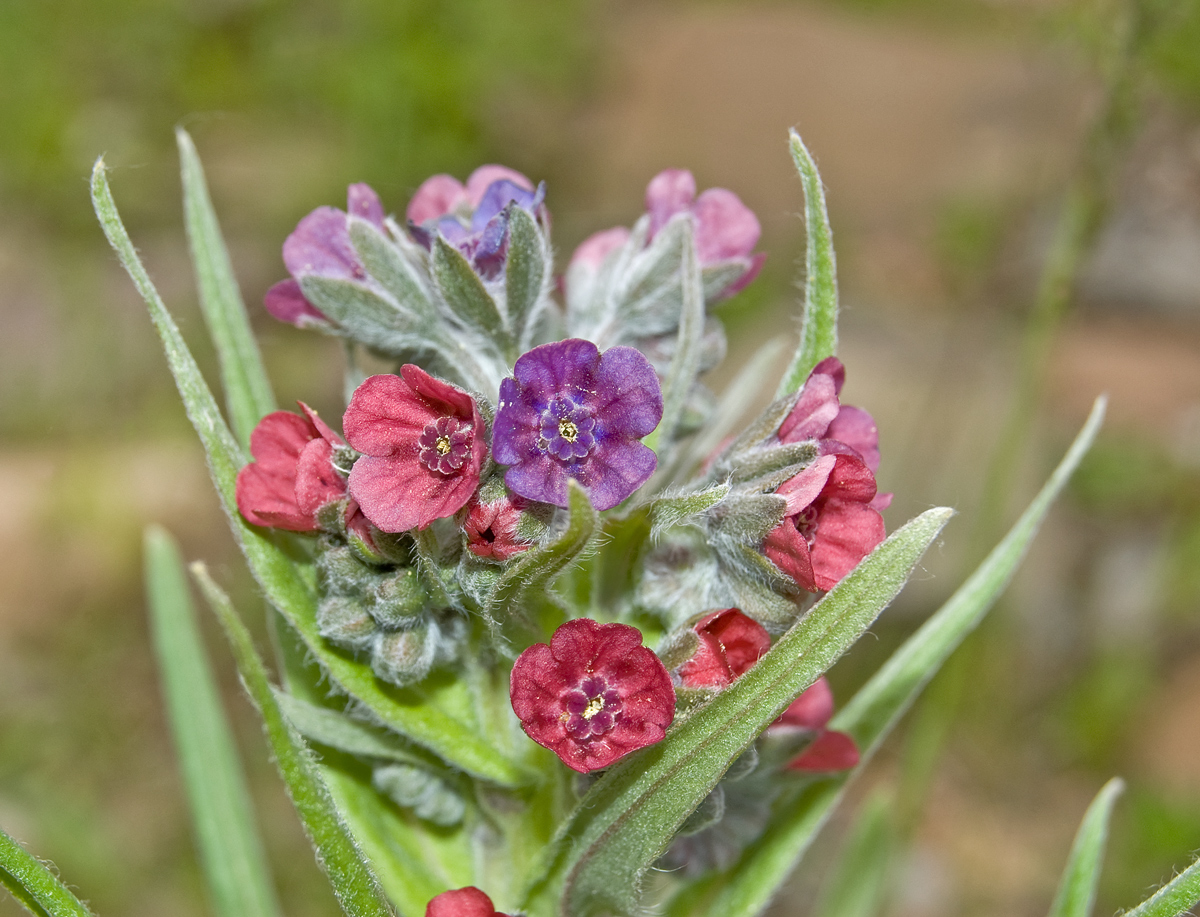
{"x": 571, "y": 412}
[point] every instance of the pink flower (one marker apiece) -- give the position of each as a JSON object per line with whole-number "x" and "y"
{"x": 819, "y": 415}
{"x": 726, "y": 230}
{"x": 730, "y": 643}
{"x": 445, "y": 195}
{"x": 423, "y": 446}
{"x": 292, "y": 475}
{"x": 593, "y": 695}
{"x": 595, "y": 248}
{"x": 830, "y": 523}
{"x": 830, "y": 750}
{"x": 491, "y": 529}
{"x": 462, "y": 902}
{"x": 321, "y": 245}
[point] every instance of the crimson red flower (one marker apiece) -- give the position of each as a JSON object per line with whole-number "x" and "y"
{"x": 830, "y": 750}
{"x": 830, "y": 523}
{"x": 423, "y": 445}
{"x": 292, "y": 475}
{"x": 730, "y": 643}
{"x": 462, "y": 902}
{"x": 819, "y": 415}
{"x": 593, "y": 695}
{"x": 491, "y": 529}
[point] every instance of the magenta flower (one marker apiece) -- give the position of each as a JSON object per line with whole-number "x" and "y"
{"x": 571, "y": 412}
{"x": 593, "y": 695}
{"x": 473, "y": 218}
{"x": 830, "y": 523}
{"x": 726, "y": 230}
{"x": 423, "y": 446}
{"x": 320, "y": 245}
{"x": 830, "y": 750}
{"x": 462, "y": 902}
{"x": 292, "y": 475}
{"x": 730, "y": 643}
{"x": 819, "y": 415}
{"x": 491, "y": 529}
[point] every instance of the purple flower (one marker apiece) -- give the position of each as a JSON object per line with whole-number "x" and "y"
{"x": 473, "y": 218}
{"x": 571, "y": 412}
{"x": 320, "y": 245}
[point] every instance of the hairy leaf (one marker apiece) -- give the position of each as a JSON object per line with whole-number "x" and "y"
{"x": 1175, "y": 898}
{"x": 386, "y": 263}
{"x": 526, "y": 275}
{"x": 34, "y": 886}
{"x": 1077, "y": 889}
{"x": 466, "y": 296}
{"x": 685, "y": 364}
{"x": 673, "y": 508}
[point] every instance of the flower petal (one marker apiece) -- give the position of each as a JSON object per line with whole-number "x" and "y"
{"x": 483, "y": 178}
{"x": 320, "y": 244}
{"x": 669, "y": 192}
{"x": 725, "y": 227}
{"x": 437, "y": 196}
{"x": 613, "y": 471}
{"x": 385, "y": 417}
{"x": 813, "y": 412}
{"x": 317, "y": 483}
{"x": 362, "y": 201}
{"x": 856, "y": 428}
{"x": 286, "y": 302}
{"x": 595, "y": 248}
{"x": 812, "y": 709}
{"x": 846, "y": 533}
{"x": 628, "y": 398}
{"x": 831, "y": 751}
{"x": 786, "y": 549}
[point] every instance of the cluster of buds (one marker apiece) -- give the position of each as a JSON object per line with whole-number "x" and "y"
{"x": 466, "y": 475}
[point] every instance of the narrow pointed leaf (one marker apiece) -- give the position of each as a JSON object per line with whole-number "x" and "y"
{"x": 436, "y": 721}
{"x": 248, "y": 392}
{"x": 526, "y": 274}
{"x": 629, "y": 817}
{"x": 387, "y": 264}
{"x": 818, "y": 331}
{"x": 465, "y": 294}
{"x": 685, "y": 364}
{"x": 857, "y": 884}
{"x": 231, "y": 853}
{"x": 1174, "y": 899}
{"x": 1077, "y": 888}
{"x": 672, "y": 509}
{"x": 749, "y": 885}
{"x": 355, "y": 885}
{"x": 34, "y": 886}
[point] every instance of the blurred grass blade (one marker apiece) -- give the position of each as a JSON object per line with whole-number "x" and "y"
{"x": 248, "y": 392}
{"x": 34, "y": 886}
{"x": 355, "y": 885}
{"x": 1175, "y": 898}
{"x": 749, "y": 885}
{"x": 230, "y": 851}
{"x": 1077, "y": 890}
{"x": 859, "y": 880}
{"x": 426, "y": 723}
{"x": 818, "y": 331}
{"x": 628, "y": 818}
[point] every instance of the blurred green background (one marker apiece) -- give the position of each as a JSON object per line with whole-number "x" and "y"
{"x": 946, "y": 130}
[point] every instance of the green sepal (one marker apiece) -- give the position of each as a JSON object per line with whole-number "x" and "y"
{"x": 674, "y": 508}
{"x": 248, "y": 394}
{"x": 354, "y": 883}
{"x": 818, "y": 331}
{"x": 627, "y": 820}
{"x": 467, "y": 297}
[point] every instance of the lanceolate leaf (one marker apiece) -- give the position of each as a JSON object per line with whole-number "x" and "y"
{"x": 818, "y": 333}
{"x": 749, "y": 885}
{"x": 686, "y": 361}
{"x": 857, "y": 885}
{"x": 673, "y": 508}
{"x": 1077, "y": 889}
{"x": 1175, "y": 898}
{"x": 466, "y": 295}
{"x": 429, "y": 723}
{"x": 356, "y": 887}
{"x": 628, "y": 818}
{"x": 231, "y": 854}
{"x": 247, "y": 389}
{"x": 385, "y": 262}
{"x": 525, "y": 274}
{"x": 34, "y": 886}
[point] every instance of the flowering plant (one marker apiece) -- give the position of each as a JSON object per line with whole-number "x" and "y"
{"x": 547, "y": 614}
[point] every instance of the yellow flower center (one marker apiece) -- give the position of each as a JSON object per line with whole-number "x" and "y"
{"x": 568, "y": 431}
{"x": 595, "y": 705}
{"x": 442, "y": 445}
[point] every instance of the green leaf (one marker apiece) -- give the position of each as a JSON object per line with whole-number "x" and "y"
{"x": 818, "y": 332}
{"x": 34, "y": 886}
{"x": 355, "y": 885}
{"x": 629, "y": 817}
{"x": 338, "y": 730}
{"x": 672, "y": 509}
{"x": 859, "y": 881}
{"x": 386, "y": 263}
{"x": 1077, "y": 889}
{"x": 1175, "y": 898}
{"x": 247, "y": 389}
{"x": 748, "y": 886}
{"x": 527, "y": 580}
{"x": 526, "y": 274}
{"x": 437, "y": 716}
{"x": 369, "y": 314}
{"x": 231, "y": 853}
{"x": 685, "y": 364}
{"x": 466, "y": 296}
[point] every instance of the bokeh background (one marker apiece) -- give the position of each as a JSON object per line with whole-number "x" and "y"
{"x": 947, "y": 132}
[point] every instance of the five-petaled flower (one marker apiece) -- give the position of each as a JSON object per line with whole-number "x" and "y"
{"x": 423, "y": 444}
{"x": 829, "y": 750}
{"x": 472, "y": 217}
{"x": 730, "y": 643}
{"x": 320, "y": 245}
{"x": 571, "y": 412}
{"x": 593, "y": 694}
{"x": 462, "y": 902}
{"x": 292, "y": 475}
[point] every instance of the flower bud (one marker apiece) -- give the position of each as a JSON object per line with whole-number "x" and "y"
{"x": 399, "y": 599}
{"x": 345, "y": 621}
{"x": 403, "y": 657}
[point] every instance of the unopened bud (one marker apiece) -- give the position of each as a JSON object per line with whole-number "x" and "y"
{"x": 346, "y": 622}
{"x": 400, "y": 599}
{"x": 403, "y": 657}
